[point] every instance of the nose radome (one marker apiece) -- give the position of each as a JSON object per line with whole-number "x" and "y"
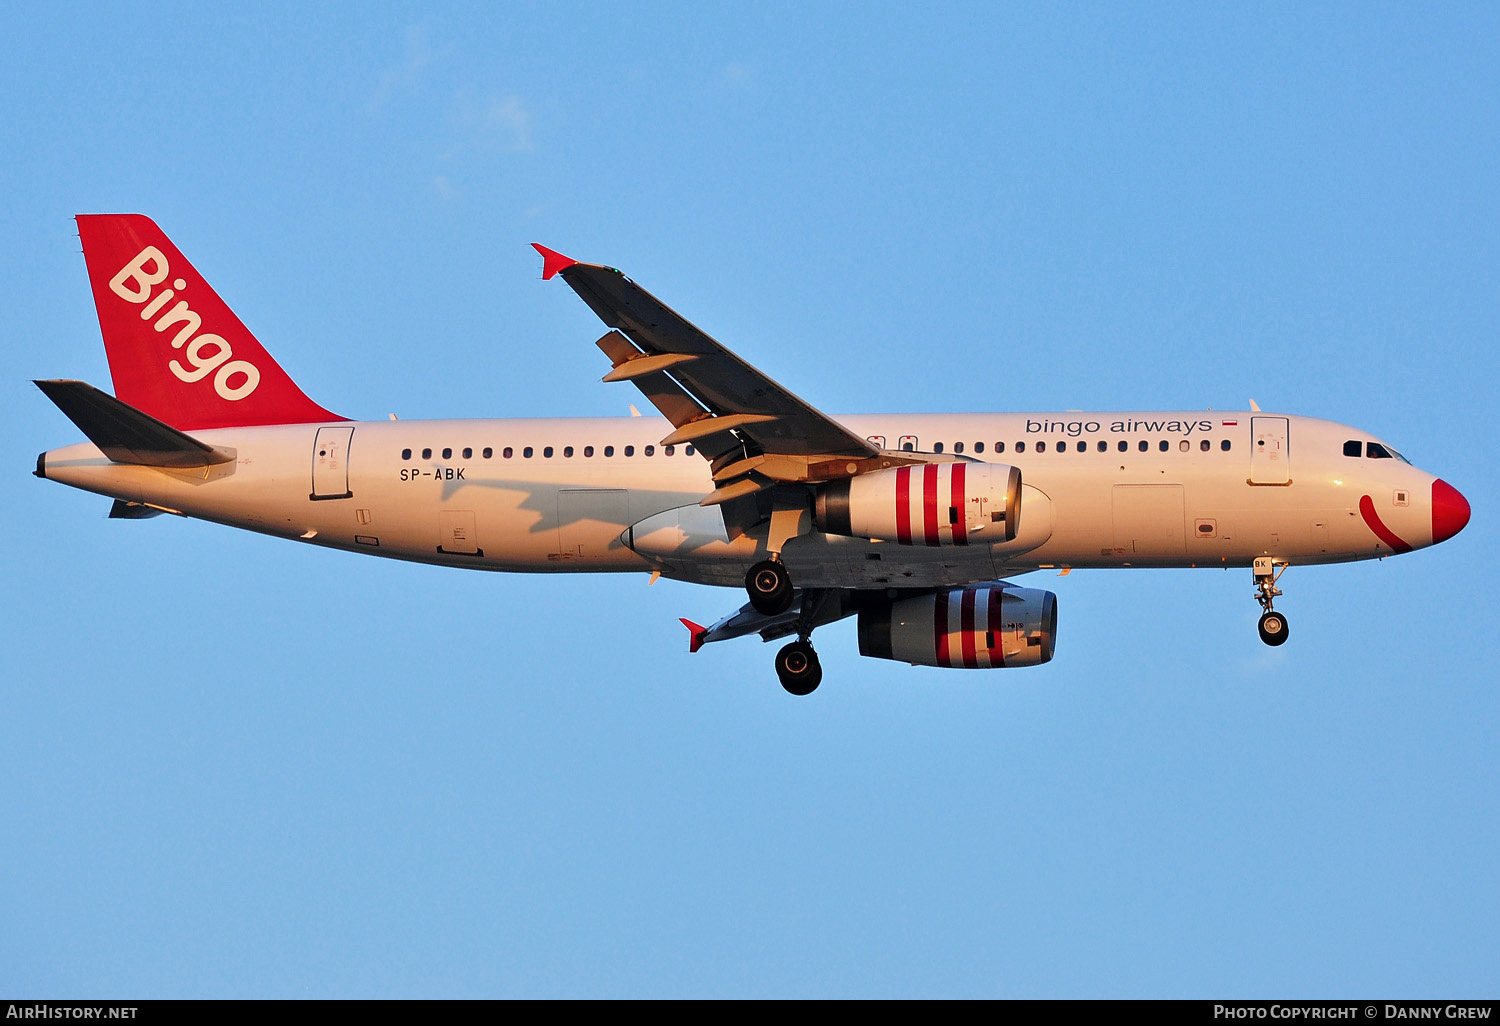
{"x": 1450, "y": 511}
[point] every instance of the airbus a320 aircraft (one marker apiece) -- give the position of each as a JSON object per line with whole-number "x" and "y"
{"x": 909, "y": 521}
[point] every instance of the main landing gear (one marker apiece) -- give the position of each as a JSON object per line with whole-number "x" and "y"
{"x": 797, "y": 664}
{"x": 798, "y": 667}
{"x": 769, "y": 587}
{"x": 1273, "y": 627}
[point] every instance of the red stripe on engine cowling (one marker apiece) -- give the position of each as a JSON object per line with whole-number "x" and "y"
{"x": 956, "y": 500}
{"x": 996, "y": 624}
{"x": 966, "y": 627}
{"x": 903, "y": 505}
{"x": 929, "y": 503}
{"x": 940, "y": 628}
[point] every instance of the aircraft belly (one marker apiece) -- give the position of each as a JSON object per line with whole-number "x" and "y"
{"x": 818, "y": 560}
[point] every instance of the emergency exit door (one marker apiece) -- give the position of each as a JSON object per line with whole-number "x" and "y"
{"x": 330, "y": 476}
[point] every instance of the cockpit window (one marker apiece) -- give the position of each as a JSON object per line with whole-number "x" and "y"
{"x": 1373, "y": 451}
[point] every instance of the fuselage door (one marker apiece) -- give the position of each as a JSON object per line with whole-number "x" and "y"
{"x": 456, "y": 533}
{"x": 1270, "y": 451}
{"x": 330, "y": 476}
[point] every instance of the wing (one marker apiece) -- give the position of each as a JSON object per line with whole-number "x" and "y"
{"x": 753, "y": 431}
{"x": 819, "y": 606}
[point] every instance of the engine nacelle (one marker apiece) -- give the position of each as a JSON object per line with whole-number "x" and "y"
{"x": 980, "y": 626}
{"x": 934, "y": 504}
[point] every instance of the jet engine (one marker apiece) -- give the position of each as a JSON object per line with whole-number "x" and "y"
{"x": 934, "y": 504}
{"x": 979, "y": 626}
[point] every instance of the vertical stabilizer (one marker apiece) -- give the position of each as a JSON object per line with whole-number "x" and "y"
{"x": 176, "y": 351}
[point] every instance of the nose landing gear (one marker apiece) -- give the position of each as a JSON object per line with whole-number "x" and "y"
{"x": 1272, "y": 626}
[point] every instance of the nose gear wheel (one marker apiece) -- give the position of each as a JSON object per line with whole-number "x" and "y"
{"x": 1273, "y": 626}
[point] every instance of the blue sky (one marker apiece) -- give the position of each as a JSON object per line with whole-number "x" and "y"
{"x": 239, "y": 767}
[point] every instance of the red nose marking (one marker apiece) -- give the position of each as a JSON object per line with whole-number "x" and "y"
{"x": 1450, "y": 511}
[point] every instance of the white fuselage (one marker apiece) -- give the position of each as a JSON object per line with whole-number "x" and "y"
{"x": 1105, "y": 490}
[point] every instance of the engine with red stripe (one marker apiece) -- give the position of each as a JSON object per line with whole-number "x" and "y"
{"x": 933, "y": 504}
{"x": 976, "y": 627}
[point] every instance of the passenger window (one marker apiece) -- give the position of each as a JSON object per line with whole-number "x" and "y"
{"x": 688, "y": 451}
{"x": 1124, "y": 446}
{"x": 1020, "y": 447}
{"x": 526, "y": 452}
{"x": 609, "y": 450}
{"x": 1103, "y": 445}
{"x": 1083, "y": 447}
{"x": 1164, "y": 445}
{"x": 427, "y": 454}
{"x": 937, "y": 446}
{"x": 908, "y": 443}
{"x": 1352, "y": 447}
{"x": 1041, "y": 446}
{"x": 669, "y": 450}
{"x": 1224, "y": 445}
{"x": 567, "y": 452}
{"x": 1376, "y": 451}
{"x": 547, "y": 453}
{"x": 406, "y": 454}
{"x": 999, "y": 446}
{"x": 468, "y": 453}
{"x": 488, "y": 452}
{"x": 447, "y": 454}
{"x": 1203, "y": 446}
{"x": 507, "y": 452}
{"x": 958, "y": 447}
{"x": 650, "y": 450}
{"x": 979, "y": 447}
{"x": 630, "y": 450}
{"x": 588, "y": 450}
{"x": 1144, "y": 446}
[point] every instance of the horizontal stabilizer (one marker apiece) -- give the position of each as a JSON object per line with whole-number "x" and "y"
{"x": 125, "y": 434}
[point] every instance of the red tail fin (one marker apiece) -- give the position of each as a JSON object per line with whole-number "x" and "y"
{"x": 176, "y": 350}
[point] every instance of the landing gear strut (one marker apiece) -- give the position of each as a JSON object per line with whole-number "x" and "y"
{"x": 769, "y": 587}
{"x": 1273, "y": 626}
{"x": 797, "y": 664}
